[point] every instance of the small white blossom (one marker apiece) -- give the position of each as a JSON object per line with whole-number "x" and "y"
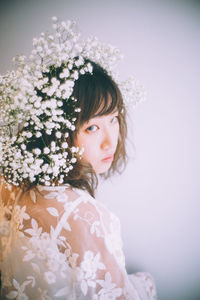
{"x": 37, "y": 151}
{"x": 23, "y": 147}
{"x": 64, "y": 145}
{"x": 29, "y": 135}
{"x": 53, "y": 146}
{"x": 38, "y": 134}
{"x": 72, "y": 127}
{"x": 58, "y": 134}
{"x": 46, "y": 150}
{"x": 48, "y": 131}
{"x": 44, "y": 168}
{"x": 74, "y": 149}
{"x": 37, "y": 104}
{"x": 82, "y": 71}
{"x": 59, "y": 103}
{"x": 54, "y": 18}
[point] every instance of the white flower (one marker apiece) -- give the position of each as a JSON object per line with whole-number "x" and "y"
{"x": 109, "y": 289}
{"x": 23, "y": 147}
{"x": 38, "y": 134}
{"x": 37, "y": 151}
{"x": 37, "y": 104}
{"x": 48, "y": 131}
{"x": 66, "y": 135}
{"x": 54, "y": 18}
{"x": 58, "y": 134}
{"x": 88, "y": 269}
{"x": 35, "y": 230}
{"x": 45, "y": 167}
{"x": 72, "y": 127}
{"x": 81, "y": 151}
{"x": 82, "y": 71}
{"x": 53, "y": 146}
{"x": 29, "y": 135}
{"x": 65, "y": 73}
{"x": 49, "y": 277}
{"x": 64, "y": 145}
{"x": 46, "y": 150}
{"x": 59, "y": 103}
{"x": 74, "y": 149}
{"x": 19, "y": 293}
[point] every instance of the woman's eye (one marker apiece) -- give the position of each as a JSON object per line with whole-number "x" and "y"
{"x": 92, "y": 128}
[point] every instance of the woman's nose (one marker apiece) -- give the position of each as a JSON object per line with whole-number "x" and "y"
{"x": 107, "y": 140}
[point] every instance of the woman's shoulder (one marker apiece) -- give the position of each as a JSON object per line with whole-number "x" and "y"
{"x": 44, "y": 203}
{"x": 73, "y": 202}
{"x": 43, "y": 196}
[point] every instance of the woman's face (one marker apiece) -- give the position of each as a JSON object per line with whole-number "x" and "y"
{"x": 99, "y": 138}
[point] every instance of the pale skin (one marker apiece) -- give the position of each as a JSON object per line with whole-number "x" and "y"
{"x": 99, "y": 138}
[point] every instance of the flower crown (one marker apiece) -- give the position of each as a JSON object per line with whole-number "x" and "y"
{"x": 37, "y": 98}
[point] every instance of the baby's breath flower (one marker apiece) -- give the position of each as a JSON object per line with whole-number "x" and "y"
{"x": 59, "y": 103}
{"x": 33, "y": 99}
{"x": 58, "y": 134}
{"x": 37, "y": 151}
{"x": 48, "y": 131}
{"x": 64, "y": 145}
{"x": 46, "y": 150}
{"x": 29, "y": 135}
{"x": 53, "y": 146}
{"x": 81, "y": 151}
{"x": 38, "y": 134}
{"x": 44, "y": 168}
{"x": 72, "y": 127}
{"x": 74, "y": 149}
{"x": 23, "y": 147}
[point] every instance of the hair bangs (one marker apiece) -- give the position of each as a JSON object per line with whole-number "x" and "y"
{"x": 108, "y": 102}
{"x": 97, "y": 95}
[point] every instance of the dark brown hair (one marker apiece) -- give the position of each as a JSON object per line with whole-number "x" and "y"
{"x": 97, "y": 95}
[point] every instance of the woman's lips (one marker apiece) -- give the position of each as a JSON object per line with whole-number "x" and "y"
{"x": 108, "y": 158}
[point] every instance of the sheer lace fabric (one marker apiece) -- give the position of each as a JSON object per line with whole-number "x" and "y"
{"x": 60, "y": 243}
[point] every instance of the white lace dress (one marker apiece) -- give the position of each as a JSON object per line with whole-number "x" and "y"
{"x": 60, "y": 243}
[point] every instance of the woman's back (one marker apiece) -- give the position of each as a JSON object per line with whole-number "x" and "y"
{"x": 62, "y": 244}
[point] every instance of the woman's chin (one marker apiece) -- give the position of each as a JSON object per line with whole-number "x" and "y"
{"x": 103, "y": 168}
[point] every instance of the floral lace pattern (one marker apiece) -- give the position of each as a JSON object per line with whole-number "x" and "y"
{"x": 60, "y": 243}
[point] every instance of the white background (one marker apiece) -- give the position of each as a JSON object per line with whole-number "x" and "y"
{"x": 157, "y": 197}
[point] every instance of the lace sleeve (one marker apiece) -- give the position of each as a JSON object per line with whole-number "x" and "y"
{"x": 93, "y": 236}
{"x": 95, "y": 250}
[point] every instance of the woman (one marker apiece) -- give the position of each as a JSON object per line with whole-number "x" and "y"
{"x": 66, "y": 119}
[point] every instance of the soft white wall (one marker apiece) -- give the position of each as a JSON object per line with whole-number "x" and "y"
{"x": 157, "y": 197}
